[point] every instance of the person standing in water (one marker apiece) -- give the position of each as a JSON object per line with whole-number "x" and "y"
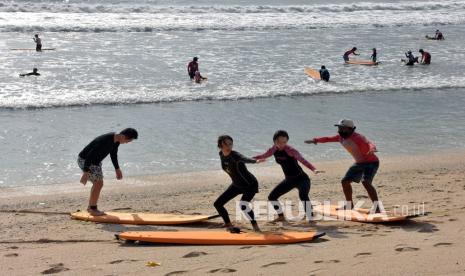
{"x": 192, "y": 67}
{"x": 33, "y": 73}
{"x": 243, "y": 182}
{"x": 425, "y": 57}
{"x": 90, "y": 162}
{"x": 374, "y": 55}
{"x": 198, "y": 78}
{"x": 411, "y": 59}
{"x": 294, "y": 175}
{"x": 346, "y": 54}
{"x": 366, "y": 162}
{"x": 324, "y": 73}
{"x": 38, "y": 42}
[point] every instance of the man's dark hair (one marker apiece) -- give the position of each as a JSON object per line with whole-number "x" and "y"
{"x": 280, "y": 133}
{"x": 222, "y": 139}
{"x": 130, "y": 133}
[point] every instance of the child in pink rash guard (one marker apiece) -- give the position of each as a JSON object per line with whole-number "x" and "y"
{"x": 366, "y": 162}
{"x": 294, "y": 175}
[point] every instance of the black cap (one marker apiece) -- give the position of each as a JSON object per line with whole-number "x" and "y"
{"x": 196, "y": 58}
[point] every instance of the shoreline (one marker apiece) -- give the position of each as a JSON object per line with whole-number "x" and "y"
{"x": 427, "y": 245}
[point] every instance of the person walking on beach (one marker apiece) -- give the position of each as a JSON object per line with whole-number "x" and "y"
{"x": 38, "y": 42}
{"x": 374, "y": 55}
{"x": 348, "y": 53}
{"x": 33, "y": 73}
{"x": 425, "y": 57}
{"x": 324, "y": 73}
{"x": 243, "y": 182}
{"x": 366, "y": 162}
{"x": 192, "y": 67}
{"x": 90, "y": 162}
{"x": 294, "y": 175}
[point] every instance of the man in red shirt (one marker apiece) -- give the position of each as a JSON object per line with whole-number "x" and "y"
{"x": 192, "y": 67}
{"x": 366, "y": 162}
{"x": 425, "y": 57}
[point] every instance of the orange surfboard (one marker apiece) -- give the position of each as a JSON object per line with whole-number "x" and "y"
{"x": 141, "y": 218}
{"x": 362, "y": 62}
{"x": 219, "y": 237}
{"x": 360, "y": 215}
{"x": 314, "y": 74}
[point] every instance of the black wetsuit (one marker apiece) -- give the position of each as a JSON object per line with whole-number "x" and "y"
{"x": 243, "y": 182}
{"x": 295, "y": 177}
{"x": 324, "y": 74}
{"x": 29, "y": 74}
{"x": 98, "y": 149}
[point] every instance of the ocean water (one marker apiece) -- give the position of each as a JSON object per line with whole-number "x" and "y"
{"x": 123, "y": 63}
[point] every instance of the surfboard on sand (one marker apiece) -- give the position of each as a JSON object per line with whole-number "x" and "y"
{"x": 362, "y": 62}
{"x": 312, "y": 73}
{"x": 219, "y": 237}
{"x": 31, "y": 49}
{"x": 140, "y": 218}
{"x": 360, "y": 215}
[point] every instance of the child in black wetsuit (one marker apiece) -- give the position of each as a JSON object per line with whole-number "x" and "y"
{"x": 243, "y": 182}
{"x": 295, "y": 177}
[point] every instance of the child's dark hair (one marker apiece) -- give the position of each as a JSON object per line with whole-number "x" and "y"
{"x": 130, "y": 133}
{"x": 280, "y": 133}
{"x": 222, "y": 139}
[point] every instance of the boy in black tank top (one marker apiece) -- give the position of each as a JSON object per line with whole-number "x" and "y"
{"x": 295, "y": 177}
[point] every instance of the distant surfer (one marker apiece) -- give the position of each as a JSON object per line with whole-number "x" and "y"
{"x": 193, "y": 67}
{"x": 38, "y": 42}
{"x": 243, "y": 182}
{"x": 198, "y": 78}
{"x": 411, "y": 59}
{"x": 366, "y": 162}
{"x": 324, "y": 73}
{"x": 438, "y": 35}
{"x": 425, "y": 57}
{"x": 90, "y": 162}
{"x": 294, "y": 175}
{"x": 33, "y": 73}
{"x": 374, "y": 55}
{"x": 348, "y": 53}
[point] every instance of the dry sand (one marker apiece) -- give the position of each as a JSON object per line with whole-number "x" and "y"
{"x": 32, "y": 244}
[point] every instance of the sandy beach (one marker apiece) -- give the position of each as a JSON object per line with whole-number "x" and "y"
{"x": 32, "y": 244}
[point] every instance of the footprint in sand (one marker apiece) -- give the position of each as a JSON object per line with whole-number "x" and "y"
{"x": 362, "y": 254}
{"x": 330, "y": 261}
{"x": 275, "y": 263}
{"x": 407, "y": 249}
{"x": 246, "y": 247}
{"x": 12, "y": 255}
{"x": 443, "y": 244}
{"x": 176, "y": 272}
{"x": 56, "y": 268}
{"x": 194, "y": 254}
{"x": 222, "y": 270}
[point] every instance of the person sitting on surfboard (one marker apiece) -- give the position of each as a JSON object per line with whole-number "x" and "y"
{"x": 374, "y": 55}
{"x": 33, "y": 73}
{"x": 438, "y": 35}
{"x": 425, "y": 57}
{"x": 346, "y": 54}
{"x": 294, "y": 175}
{"x": 38, "y": 42}
{"x": 411, "y": 59}
{"x": 243, "y": 182}
{"x": 324, "y": 73}
{"x": 366, "y": 162}
{"x": 193, "y": 67}
{"x": 198, "y": 78}
{"x": 90, "y": 162}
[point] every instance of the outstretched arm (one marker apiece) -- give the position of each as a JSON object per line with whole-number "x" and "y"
{"x": 241, "y": 158}
{"x": 267, "y": 154}
{"x": 294, "y": 153}
{"x": 328, "y": 139}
